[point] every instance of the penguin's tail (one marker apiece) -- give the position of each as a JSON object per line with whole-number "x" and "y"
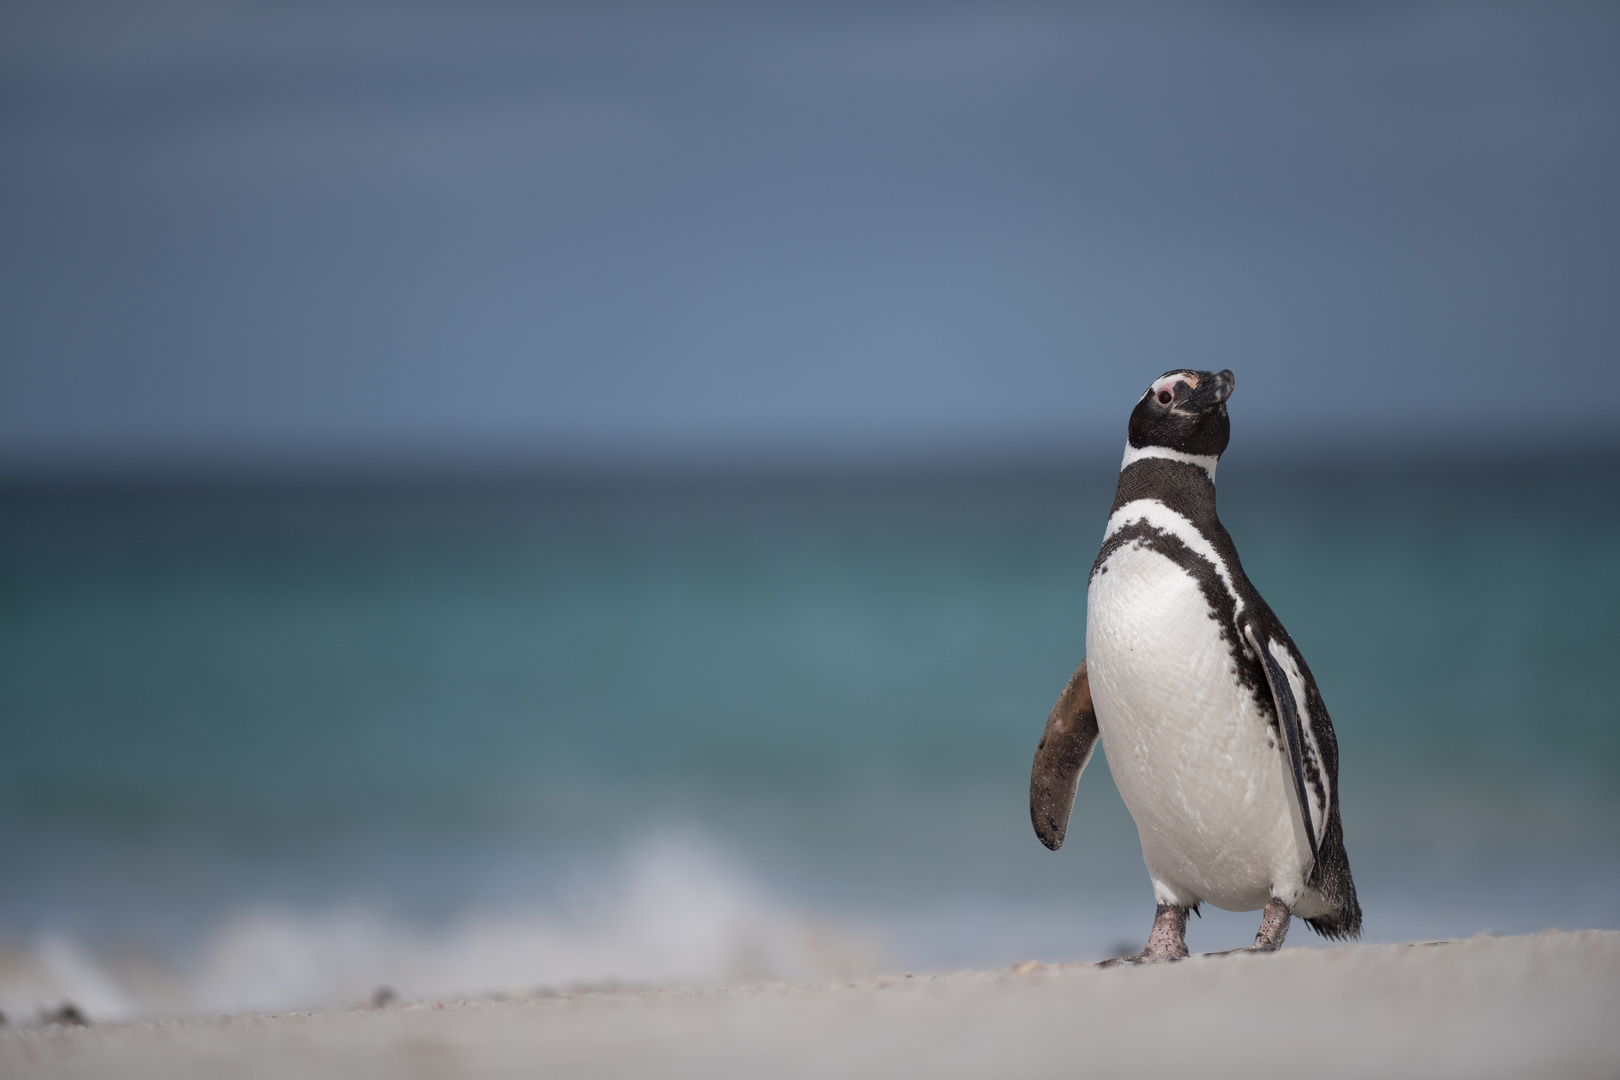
{"x": 1331, "y": 881}
{"x": 1340, "y": 926}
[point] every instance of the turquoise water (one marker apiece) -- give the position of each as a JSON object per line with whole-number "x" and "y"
{"x": 425, "y": 703}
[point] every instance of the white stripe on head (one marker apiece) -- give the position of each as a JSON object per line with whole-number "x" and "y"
{"x": 1206, "y": 462}
{"x": 1160, "y": 516}
{"x": 1169, "y": 382}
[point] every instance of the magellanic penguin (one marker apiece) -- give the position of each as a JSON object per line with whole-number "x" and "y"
{"x": 1215, "y": 732}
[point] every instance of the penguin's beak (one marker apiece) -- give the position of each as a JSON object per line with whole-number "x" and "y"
{"x": 1211, "y": 391}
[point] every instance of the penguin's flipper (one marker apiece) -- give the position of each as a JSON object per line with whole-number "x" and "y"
{"x": 1289, "y": 711}
{"x": 1065, "y": 747}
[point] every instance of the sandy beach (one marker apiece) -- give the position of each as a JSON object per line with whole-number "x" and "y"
{"x": 1539, "y": 1005}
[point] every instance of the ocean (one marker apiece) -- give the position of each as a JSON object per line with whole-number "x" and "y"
{"x": 277, "y": 744}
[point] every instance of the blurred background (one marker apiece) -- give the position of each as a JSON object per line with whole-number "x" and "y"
{"x": 497, "y": 497}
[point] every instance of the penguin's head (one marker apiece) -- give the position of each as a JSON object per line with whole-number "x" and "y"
{"x": 1185, "y": 411}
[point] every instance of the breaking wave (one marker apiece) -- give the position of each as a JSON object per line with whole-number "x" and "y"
{"x": 676, "y": 912}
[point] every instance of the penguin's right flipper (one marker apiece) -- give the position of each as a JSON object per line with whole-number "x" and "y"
{"x": 1065, "y": 747}
{"x": 1290, "y": 705}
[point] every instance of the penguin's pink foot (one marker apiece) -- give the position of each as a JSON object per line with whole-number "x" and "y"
{"x": 1273, "y": 929}
{"x": 1167, "y": 942}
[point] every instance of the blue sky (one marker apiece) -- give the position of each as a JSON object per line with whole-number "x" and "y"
{"x": 355, "y": 233}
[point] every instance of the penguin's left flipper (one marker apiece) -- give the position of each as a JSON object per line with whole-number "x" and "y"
{"x": 1066, "y": 745}
{"x": 1289, "y": 711}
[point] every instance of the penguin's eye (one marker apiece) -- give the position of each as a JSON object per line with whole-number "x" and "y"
{"x": 1165, "y": 397}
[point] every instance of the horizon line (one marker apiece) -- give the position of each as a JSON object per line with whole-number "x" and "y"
{"x": 484, "y": 467}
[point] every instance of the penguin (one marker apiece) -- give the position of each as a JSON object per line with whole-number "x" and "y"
{"x": 1215, "y": 731}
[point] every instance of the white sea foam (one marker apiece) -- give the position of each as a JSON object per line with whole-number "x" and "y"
{"x": 677, "y": 912}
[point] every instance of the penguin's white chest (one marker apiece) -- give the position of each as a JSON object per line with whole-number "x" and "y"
{"x": 1189, "y": 748}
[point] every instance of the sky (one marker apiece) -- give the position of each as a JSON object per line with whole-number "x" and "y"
{"x": 352, "y": 233}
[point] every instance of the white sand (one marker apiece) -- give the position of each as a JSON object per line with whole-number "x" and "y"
{"x": 1546, "y": 1005}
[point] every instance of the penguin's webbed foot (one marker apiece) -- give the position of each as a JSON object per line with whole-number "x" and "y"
{"x": 1167, "y": 941}
{"x": 1273, "y": 930}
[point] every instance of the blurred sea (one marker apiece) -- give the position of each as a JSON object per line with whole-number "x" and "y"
{"x": 270, "y": 746}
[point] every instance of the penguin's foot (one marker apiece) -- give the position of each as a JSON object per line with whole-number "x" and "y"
{"x": 1167, "y": 941}
{"x": 1273, "y": 929}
